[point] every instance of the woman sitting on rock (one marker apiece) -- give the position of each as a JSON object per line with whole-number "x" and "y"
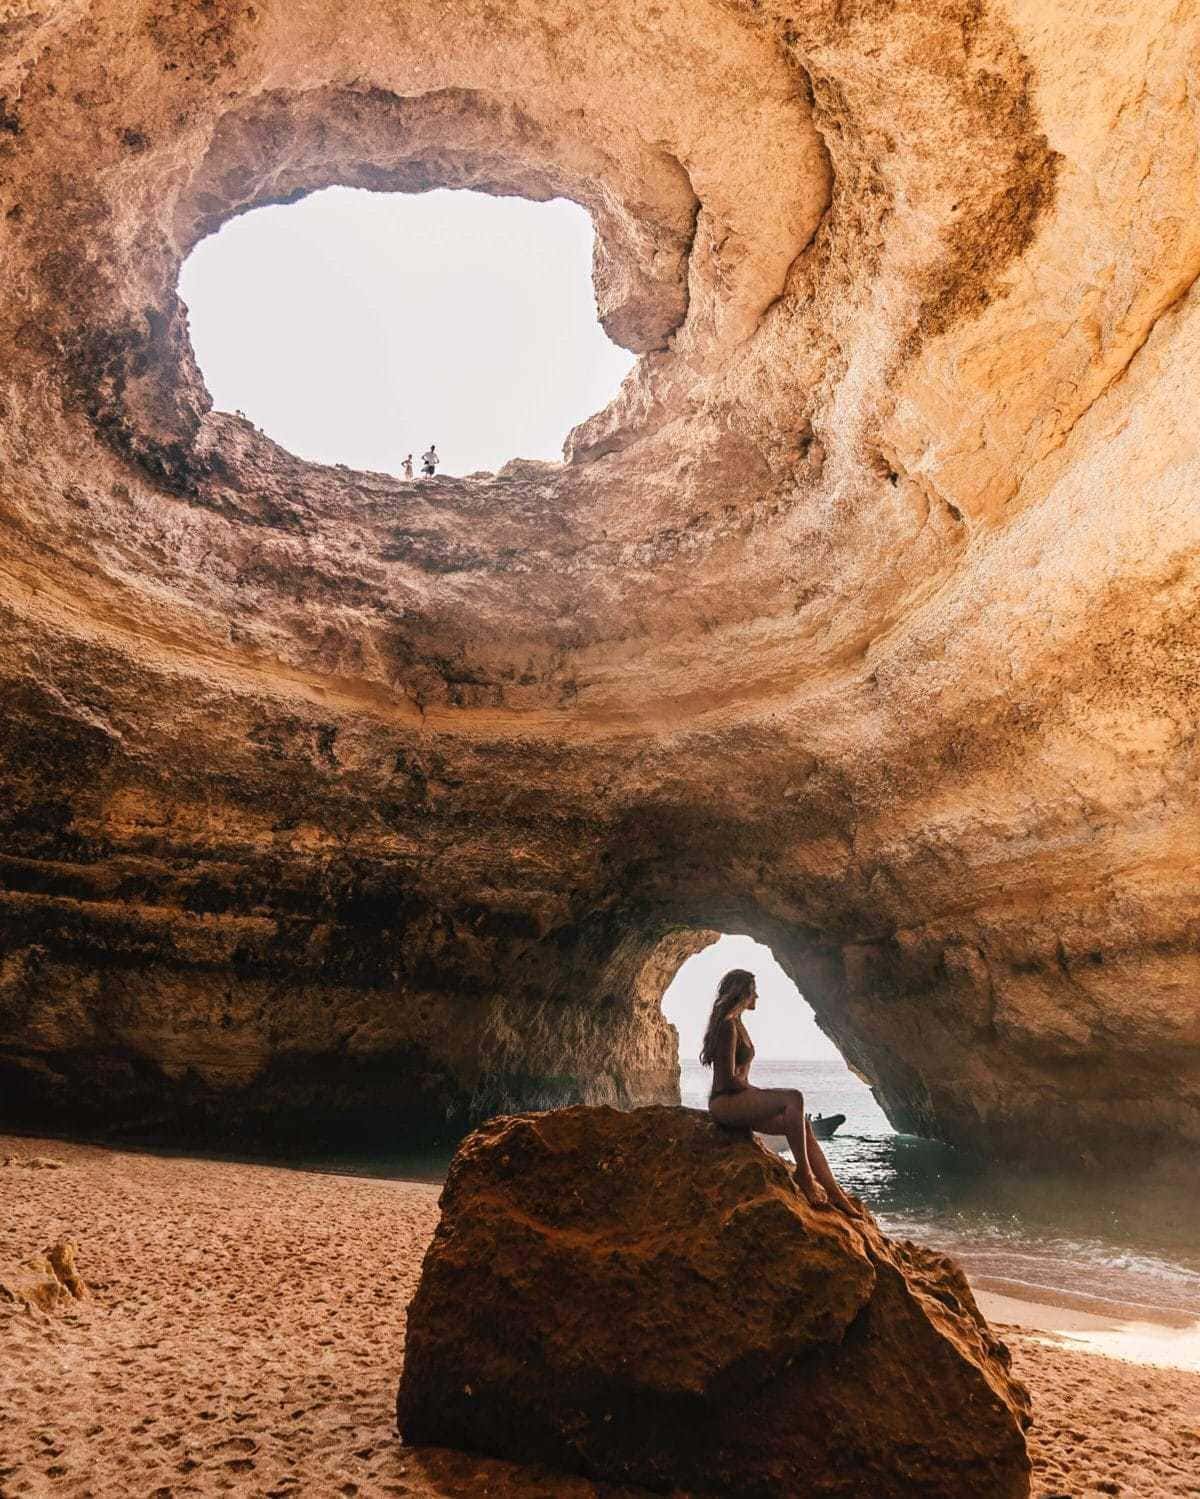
{"x": 736, "y": 1103}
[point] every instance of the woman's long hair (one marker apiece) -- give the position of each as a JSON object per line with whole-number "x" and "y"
{"x": 731, "y": 992}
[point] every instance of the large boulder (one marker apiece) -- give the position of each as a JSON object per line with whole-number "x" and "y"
{"x": 642, "y": 1297}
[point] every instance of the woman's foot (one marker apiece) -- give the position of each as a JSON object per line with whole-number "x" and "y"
{"x": 811, "y": 1190}
{"x": 847, "y": 1204}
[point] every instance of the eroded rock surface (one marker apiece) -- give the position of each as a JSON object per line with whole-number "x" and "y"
{"x": 864, "y": 620}
{"x": 644, "y": 1298}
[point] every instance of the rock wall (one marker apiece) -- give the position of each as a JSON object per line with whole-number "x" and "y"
{"x": 864, "y": 620}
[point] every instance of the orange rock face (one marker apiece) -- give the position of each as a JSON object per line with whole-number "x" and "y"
{"x": 864, "y": 620}
{"x": 643, "y": 1298}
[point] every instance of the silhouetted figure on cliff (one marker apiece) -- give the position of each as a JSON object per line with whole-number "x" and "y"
{"x": 429, "y": 461}
{"x": 736, "y": 1103}
{"x": 407, "y": 467}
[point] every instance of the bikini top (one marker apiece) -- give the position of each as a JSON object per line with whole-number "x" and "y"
{"x": 744, "y": 1050}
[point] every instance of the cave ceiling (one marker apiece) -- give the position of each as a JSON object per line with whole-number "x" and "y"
{"x": 864, "y": 618}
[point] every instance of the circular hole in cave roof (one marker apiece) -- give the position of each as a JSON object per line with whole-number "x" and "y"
{"x": 356, "y": 327}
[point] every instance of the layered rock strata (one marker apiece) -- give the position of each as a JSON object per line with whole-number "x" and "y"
{"x": 864, "y": 620}
{"x": 645, "y": 1298}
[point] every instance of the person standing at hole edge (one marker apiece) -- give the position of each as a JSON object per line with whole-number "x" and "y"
{"x": 735, "y": 1103}
{"x": 429, "y": 461}
{"x": 407, "y": 467}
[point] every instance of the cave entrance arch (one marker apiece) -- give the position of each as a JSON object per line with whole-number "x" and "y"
{"x": 791, "y": 1049}
{"x": 357, "y": 327}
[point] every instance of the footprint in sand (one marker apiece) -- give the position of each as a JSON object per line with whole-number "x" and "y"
{"x": 236, "y": 1444}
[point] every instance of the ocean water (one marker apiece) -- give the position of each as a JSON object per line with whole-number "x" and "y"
{"x": 1104, "y": 1245}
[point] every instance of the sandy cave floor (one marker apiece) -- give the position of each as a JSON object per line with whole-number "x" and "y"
{"x": 246, "y": 1331}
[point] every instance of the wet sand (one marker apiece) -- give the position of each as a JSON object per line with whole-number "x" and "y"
{"x": 246, "y": 1329}
{"x": 1166, "y": 1342}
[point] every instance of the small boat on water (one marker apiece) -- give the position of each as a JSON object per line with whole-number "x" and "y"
{"x": 825, "y": 1126}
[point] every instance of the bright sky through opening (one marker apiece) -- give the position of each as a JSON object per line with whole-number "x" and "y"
{"x": 782, "y": 1025}
{"x": 355, "y": 327}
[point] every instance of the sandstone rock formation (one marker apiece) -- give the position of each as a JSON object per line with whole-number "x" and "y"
{"x": 46, "y": 1281}
{"x": 864, "y": 620}
{"x": 644, "y": 1298}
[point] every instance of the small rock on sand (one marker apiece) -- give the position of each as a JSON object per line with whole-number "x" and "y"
{"x": 45, "y": 1281}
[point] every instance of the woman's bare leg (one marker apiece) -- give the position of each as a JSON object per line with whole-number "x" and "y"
{"x": 782, "y": 1110}
{"x": 820, "y": 1169}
